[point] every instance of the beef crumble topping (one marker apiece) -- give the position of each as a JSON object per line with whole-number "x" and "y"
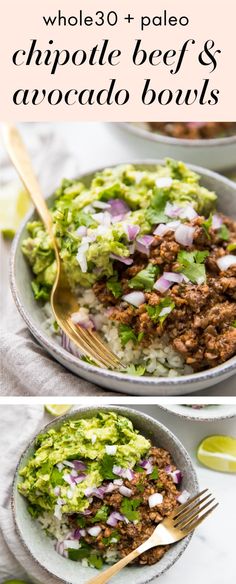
{"x": 201, "y": 325}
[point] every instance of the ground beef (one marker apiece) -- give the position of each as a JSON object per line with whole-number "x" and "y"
{"x": 134, "y": 534}
{"x": 201, "y": 326}
{"x": 194, "y": 130}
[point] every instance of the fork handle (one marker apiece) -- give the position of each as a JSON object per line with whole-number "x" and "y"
{"x": 21, "y": 160}
{"x": 110, "y": 572}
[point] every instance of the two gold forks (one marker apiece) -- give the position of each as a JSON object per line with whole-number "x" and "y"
{"x": 180, "y": 523}
{"x": 63, "y": 301}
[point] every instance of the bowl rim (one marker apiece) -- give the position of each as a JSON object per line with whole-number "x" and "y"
{"x": 171, "y": 141}
{"x": 198, "y": 418}
{"x": 122, "y": 410}
{"x": 45, "y": 340}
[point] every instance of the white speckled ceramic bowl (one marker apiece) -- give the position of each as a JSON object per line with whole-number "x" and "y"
{"x": 41, "y": 547}
{"x": 216, "y": 154}
{"x": 31, "y": 311}
{"x": 209, "y": 413}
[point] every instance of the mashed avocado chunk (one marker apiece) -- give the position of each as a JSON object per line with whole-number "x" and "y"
{"x": 80, "y": 455}
{"x": 93, "y": 223}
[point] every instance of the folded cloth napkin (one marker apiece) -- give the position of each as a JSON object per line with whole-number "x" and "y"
{"x": 27, "y": 369}
{"x": 15, "y": 562}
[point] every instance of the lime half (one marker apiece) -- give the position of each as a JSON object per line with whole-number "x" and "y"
{"x": 57, "y": 409}
{"x": 14, "y": 582}
{"x": 14, "y": 204}
{"x": 218, "y": 453}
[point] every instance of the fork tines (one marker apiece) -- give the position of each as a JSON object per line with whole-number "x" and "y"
{"x": 189, "y": 515}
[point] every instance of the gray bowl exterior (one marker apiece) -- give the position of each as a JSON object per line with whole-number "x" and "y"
{"x": 41, "y": 547}
{"x": 32, "y": 313}
{"x": 216, "y": 154}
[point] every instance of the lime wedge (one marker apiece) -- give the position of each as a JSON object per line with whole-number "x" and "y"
{"x": 14, "y": 582}
{"x": 57, "y": 409}
{"x": 218, "y": 453}
{"x": 14, "y": 204}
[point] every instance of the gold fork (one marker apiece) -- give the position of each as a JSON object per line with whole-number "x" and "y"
{"x": 180, "y": 523}
{"x": 63, "y": 301}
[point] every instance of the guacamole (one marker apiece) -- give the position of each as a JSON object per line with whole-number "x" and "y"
{"x": 97, "y": 223}
{"x": 79, "y": 456}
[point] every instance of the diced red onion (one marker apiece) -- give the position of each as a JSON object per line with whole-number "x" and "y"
{"x": 172, "y": 210}
{"x": 114, "y": 518}
{"x": 101, "y": 205}
{"x": 123, "y": 260}
{"x": 68, "y": 479}
{"x": 70, "y": 544}
{"x": 162, "y": 285}
{"x": 57, "y": 491}
{"x": 89, "y": 491}
{"x": 68, "y": 463}
{"x": 110, "y": 488}
{"x": 184, "y": 235}
{"x": 188, "y": 212}
{"x": 118, "y": 207}
{"x": 86, "y": 512}
{"x": 60, "y": 466}
{"x": 216, "y": 221}
{"x": 69, "y": 494}
{"x": 147, "y": 465}
{"x": 125, "y": 491}
{"x": 111, "y": 449}
{"x": 94, "y": 531}
{"x": 226, "y": 262}
{"x": 59, "y": 547}
{"x": 79, "y": 465}
{"x": 80, "y": 478}
{"x": 77, "y": 534}
{"x": 103, "y": 218}
{"x": 168, "y": 469}
{"x": 173, "y": 277}
{"x": 69, "y": 346}
{"x": 164, "y": 181}
{"x": 132, "y": 231}
{"x": 134, "y": 298}
{"x": 74, "y": 473}
{"x": 117, "y": 470}
{"x": 128, "y": 474}
{"x": 82, "y": 231}
{"x": 183, "y": 497}
{"x": 144, "y": 243}
{"x": 81, "y": 256}
{"x": 155, "y": 499}
{"x": 176, "y": 476}
{"x": 82, "y": 319}
{"x": 132, "y": 248}
{"x": 166, "y": 310}
{"x": 163, "y": 228}
{"x": 118, "y": 482}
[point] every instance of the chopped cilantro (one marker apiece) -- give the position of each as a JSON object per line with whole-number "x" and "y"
{"x": 56, "y": 477}
{"x": 81, "y": 521}
{"x": 83, "y": 552}
{"x": 106, "y": 467}
{"x": 145, "y": 279}
{"x": 114, "y": 286}
{"x": 139, "y": 468}
{"x": 207, "y": 225}
{"x": 192, "y": 265}
{"x": 129, "y": 508}
{"x": 155, "y": 311}
{"x": 113, "y": 538}
{"x": 34, "y": 511}
{"x": 41, "y": 291}
{"x": 140, "y": 487}
{"x": 135, "y": 370}
{"x": 96, "y": 561}
{"x": 155, "y": 213}
{"x": 127, "y": 334}
{"x": 155, "y": 474}
{"x": 101, "y": 515}
{"x": 223, "y": 233}
{"x": 234, "y": 324}
{"x": 231, "y": 247}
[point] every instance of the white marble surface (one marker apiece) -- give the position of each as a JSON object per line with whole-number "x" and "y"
{"x": 95, "y": 145}
{"x": 209, "y": 557}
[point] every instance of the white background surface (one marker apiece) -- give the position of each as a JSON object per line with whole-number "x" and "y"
{"x": 96, "y": 145}
{"x": 209, "y": 559}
